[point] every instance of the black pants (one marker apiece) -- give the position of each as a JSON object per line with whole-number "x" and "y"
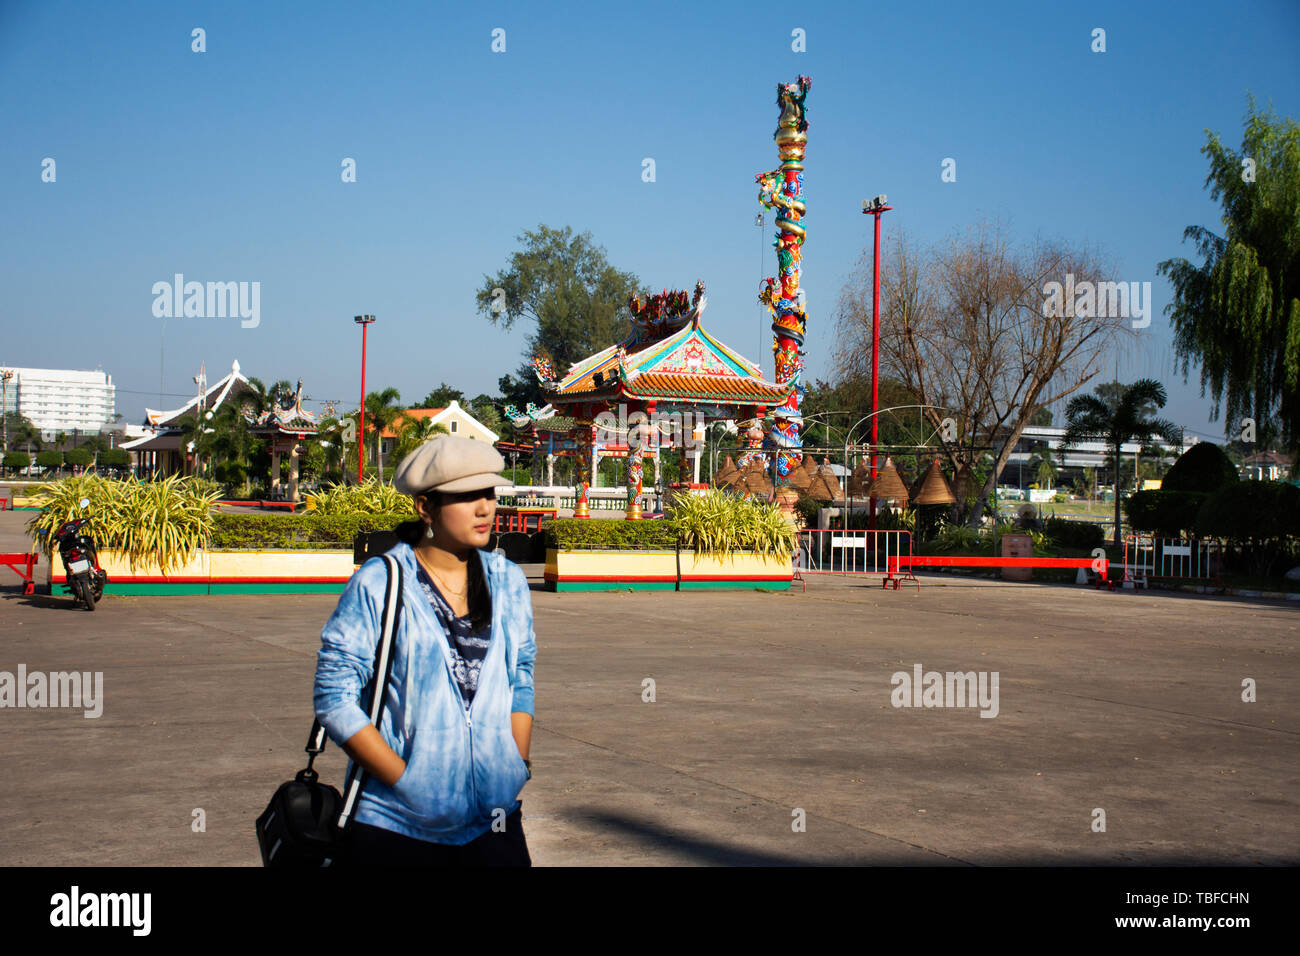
{"x": 375, "y": 846}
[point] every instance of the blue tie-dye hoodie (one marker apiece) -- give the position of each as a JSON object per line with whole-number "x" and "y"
{"x": 462, "y": 766}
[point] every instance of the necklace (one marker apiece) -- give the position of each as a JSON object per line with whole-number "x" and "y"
{"x": 428, "y": 567}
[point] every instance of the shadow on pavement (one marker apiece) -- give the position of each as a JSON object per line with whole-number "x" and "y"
{"x": 713, "y": 853}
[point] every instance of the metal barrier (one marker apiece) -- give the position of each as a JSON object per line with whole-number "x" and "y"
{"x": 836, "y": 551}
{"x": 1146, "y": 556}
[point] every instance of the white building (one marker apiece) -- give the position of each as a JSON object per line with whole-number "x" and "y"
{"x": 62, "y": 400}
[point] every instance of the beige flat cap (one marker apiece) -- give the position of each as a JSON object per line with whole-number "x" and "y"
{"x": 448, "y": 463}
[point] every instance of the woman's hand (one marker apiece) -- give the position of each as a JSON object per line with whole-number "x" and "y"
{"x": 368, "y": 749}
{"x": 521, "y": 725}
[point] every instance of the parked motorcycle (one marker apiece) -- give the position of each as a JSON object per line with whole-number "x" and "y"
{"x": 80, "y": 561}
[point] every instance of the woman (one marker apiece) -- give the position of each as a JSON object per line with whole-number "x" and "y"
{"x": 450, "y": 755}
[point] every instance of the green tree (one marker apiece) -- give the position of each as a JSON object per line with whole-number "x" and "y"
{"x": 22, "y": 432}
{"x": 49, "y": 458}
{"x": 117, "y": 458}
{"x": 484, "y": 409}
{"x": 411, "y": 434}
{"x": 563, "y": 283}
{"x": 1044, "y": 467}
{"x": 78, "y": 457}
{"x": 1237, "y": 315}
{"x": 1205, "y": 467}
{"x": 1120, "y": 420}
{"x": 17, "y": 460}
{"x": 381, "y": 411}
{"x": 442, "y": 396}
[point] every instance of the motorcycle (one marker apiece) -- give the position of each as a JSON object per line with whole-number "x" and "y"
{"x": 80, "y": 561}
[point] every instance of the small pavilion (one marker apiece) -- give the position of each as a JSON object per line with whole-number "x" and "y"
{"x": 283, "y": 426}
{"x": 670, "y": 375}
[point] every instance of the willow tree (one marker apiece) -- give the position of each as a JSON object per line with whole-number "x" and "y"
{"x": 1237, "y": 315}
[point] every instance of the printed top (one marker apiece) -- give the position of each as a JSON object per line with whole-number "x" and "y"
{"x": 468, "y": 647}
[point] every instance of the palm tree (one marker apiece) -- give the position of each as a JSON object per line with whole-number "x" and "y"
{"x": 340, "y": 452}
{"x": 1122, "y": 417}
{"x": 381, "y": 411}
{"x": 411, "y": 434}
{"x": 1045, "y": 468}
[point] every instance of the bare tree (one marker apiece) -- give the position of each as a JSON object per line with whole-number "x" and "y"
{"x": 966, "y": 325}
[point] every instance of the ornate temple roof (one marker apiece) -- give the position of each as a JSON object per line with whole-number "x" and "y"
{"x": 286, "y": 416}
{"x": 684, "y": 365}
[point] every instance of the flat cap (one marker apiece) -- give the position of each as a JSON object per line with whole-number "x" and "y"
{"x": 449, "y": 463}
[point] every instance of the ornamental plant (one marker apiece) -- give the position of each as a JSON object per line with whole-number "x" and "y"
{"x": 369, "y": 497}
{"x": 712, "y": 523}
{"x": 165, "y": 521}
{"x": 718, "y": 523}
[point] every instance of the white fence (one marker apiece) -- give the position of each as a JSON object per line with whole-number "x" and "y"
{"x": 1148, "y": 556}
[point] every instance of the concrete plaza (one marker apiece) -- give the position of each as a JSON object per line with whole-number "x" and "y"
{"x": 766, "y": 704}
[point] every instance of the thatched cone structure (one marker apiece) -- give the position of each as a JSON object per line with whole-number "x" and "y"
{"x": 933, "y": 488}
{"x": 860, "y": 480}
{"x": 800, "y": 478}
{"x": 809, "y": 468}
{"x": 727, "y": 474}
{"x": 753, "y": 480}
{"x": 888, "y": 486}
{"x": 825, "y": 486}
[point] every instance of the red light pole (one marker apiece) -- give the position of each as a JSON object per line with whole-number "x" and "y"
{"x": 363, "y": 321}
{"x": 874, "y": 208}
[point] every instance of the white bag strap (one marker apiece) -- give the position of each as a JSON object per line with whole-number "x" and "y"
{"x": 379, "y": 678}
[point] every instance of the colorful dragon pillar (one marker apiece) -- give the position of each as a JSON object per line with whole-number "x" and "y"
{"x": 782, "y": 190}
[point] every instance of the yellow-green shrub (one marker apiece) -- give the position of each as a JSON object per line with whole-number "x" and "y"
{"x": 163, "y": 521}
{"x": 369, "y": 497}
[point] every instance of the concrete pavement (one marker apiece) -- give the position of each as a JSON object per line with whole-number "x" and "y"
{"x": 766, "y": 704}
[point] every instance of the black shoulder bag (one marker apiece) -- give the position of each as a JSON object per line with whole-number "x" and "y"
{"x": 306, "y": 822}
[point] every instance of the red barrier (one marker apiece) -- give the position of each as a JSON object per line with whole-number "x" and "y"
{"x": 1101, "y": 566}
{"x": 28, "y": 572}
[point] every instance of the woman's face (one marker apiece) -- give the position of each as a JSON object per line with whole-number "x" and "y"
{"x": 461, "y": 520}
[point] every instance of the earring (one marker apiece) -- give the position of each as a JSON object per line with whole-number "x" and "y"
{"x": 428, "y": 531}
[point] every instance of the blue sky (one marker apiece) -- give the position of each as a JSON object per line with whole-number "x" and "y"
{"x": 225, "y": 165}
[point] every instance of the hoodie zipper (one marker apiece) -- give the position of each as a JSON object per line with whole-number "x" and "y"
{"x": 446, "y": 659}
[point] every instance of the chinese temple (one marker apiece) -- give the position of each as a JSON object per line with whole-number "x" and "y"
{"x": 284, "y": 425}
{"x": 669, "y": 370}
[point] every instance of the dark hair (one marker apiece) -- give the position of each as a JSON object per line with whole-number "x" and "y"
{"x": 477, "y": 596}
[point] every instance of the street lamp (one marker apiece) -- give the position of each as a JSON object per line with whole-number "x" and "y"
{"x": 875, "y": 207}
{"x": 363, "y": 321}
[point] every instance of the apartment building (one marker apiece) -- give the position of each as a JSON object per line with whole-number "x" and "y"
{"x": 62, "y": 400}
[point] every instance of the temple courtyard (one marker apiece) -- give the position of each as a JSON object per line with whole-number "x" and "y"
{"x": 712, "y": 728}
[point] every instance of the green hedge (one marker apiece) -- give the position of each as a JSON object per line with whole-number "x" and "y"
{"x": 253, "y": 532}
{"x": 1075, "y": 534}
{"x": 591, "y": 533}
{"x": 1251, "y": 511}
{"x": 1164, "y": 512}
{"x": 1204, "y": 467}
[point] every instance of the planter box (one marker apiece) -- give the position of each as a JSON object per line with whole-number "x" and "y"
{"x": 658, "y": 571}
{"x": 223, "y": 572}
